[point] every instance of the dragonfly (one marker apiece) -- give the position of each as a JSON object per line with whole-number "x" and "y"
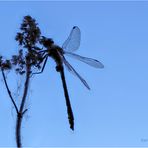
{"x": 58, "y": 53}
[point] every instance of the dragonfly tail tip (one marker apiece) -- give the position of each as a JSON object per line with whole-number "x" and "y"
{"x": 72, "y": 128}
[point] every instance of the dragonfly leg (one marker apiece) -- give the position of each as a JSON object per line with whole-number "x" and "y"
{"x": 46, "y": 57}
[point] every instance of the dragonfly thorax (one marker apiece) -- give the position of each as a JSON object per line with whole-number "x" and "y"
{"x": 56, "y": 53}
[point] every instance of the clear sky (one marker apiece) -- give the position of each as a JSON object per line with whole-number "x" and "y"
{"x": 115, "y": 111}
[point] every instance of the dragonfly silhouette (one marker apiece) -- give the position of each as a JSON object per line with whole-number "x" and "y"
{"x": 57, "y": 53}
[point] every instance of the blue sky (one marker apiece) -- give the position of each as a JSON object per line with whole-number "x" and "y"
{"x": 114, "y": 112}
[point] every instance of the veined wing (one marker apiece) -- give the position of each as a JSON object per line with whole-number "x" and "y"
{"x": 72, "y": 70}
{"x": 73, "y": 41}
{"x": 92, "y": 62}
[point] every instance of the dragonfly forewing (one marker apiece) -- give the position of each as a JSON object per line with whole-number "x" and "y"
{"x": 73, "y": 41}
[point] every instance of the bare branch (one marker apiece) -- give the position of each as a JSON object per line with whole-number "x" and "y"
{"x": 9, "y": 92}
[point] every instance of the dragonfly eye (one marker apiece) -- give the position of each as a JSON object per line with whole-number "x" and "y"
{"x": 47, "y": 42}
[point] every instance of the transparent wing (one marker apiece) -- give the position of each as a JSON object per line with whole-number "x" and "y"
{"x": 72, "y": 70}
{"x": 73, "y": 41}
{"x": 89, "y": 61}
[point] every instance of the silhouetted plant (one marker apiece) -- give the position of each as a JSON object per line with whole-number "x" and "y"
{"x": 24, "y": 62}
{"x": 30, "y": 57}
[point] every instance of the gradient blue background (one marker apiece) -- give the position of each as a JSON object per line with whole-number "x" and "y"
{"x": 115, "y": 111}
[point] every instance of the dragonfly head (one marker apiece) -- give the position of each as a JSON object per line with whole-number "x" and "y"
{"x": 46, "y": 42}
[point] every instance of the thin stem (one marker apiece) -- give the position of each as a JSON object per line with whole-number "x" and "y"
{"x": 21, "y": 110}
{"x": 18, "y": 130}
{"x": 25, "y": 88}
{"x": 9, "y": 92}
